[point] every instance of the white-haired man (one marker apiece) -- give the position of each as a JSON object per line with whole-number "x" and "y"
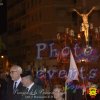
{"x": 15, "y": 86}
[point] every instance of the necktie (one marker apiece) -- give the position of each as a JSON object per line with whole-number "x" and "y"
{"x": 14, "y": 87}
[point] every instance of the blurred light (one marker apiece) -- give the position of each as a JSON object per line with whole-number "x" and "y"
{"x": 83, "y": 60}
{"x": 79, "y": 36}
{"x": 2, "y": 56}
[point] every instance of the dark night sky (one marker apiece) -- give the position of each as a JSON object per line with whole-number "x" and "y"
{"x": 3, "y": 17}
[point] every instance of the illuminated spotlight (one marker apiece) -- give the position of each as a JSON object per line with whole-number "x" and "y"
{"x": 79, "y": 36}
{"x": 83, "y": 60}
{"x": 2, "y": 56}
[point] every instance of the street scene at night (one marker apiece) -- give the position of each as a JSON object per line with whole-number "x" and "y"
{"x": 49, "y": 50}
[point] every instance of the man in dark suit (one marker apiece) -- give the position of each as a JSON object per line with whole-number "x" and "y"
{"x": 74, "y": 91}
{"x": 32, "y": 91}
{"x": 3, "y": 87}
{"x": 15, "y": 85}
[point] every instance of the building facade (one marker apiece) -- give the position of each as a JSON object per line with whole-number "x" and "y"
{"x": 33, "y": 21}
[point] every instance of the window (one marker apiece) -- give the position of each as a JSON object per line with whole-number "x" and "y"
{"x": 74, "y": 18}
{"x": 61, "y": 12}
{"x": 74, "y": 1}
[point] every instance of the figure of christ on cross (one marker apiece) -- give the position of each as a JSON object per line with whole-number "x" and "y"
{"x": 85, "y": 23}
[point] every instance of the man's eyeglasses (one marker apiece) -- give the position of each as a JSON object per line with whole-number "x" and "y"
{"x": 13, "y": 71}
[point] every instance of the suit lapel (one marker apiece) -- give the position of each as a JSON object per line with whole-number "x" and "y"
{"x": 33, "y": 88}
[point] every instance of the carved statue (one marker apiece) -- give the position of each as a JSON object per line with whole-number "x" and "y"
{"x": 85, "y": 23}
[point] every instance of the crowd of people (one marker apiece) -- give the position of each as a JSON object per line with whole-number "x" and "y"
{"x": 21, "y": 85}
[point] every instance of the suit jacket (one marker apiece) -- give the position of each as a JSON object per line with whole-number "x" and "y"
{"x": 35, "y": 93}
{"x": 74, "y": 93}
{"x": 10, "y": 94}
{"x": 3, "y": 89}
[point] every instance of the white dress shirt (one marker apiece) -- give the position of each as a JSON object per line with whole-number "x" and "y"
{"x": 29, "y": 87}
{"x": 17, "y": 82}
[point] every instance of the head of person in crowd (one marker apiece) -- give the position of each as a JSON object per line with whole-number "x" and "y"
{"x": 15, "y": 72}
{"x": 27, "y": 78}
{"x": 75, "y": 82}
{"x": 58, "y": 92}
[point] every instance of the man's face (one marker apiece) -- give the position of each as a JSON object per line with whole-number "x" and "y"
{"x": 14, "y": 73}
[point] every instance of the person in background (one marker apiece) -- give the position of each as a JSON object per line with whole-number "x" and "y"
{"x": 15, "y": 85}
{"x": 3, "y": 86}
{"x": 58, "y": 92}
{"x": 32, "y": 91}
{"x": 74, "y": 90}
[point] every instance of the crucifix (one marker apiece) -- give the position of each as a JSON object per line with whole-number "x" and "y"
{"x": 85, "y": 23}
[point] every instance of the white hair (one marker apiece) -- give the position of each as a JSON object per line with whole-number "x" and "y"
{"x": 18, "y": 68}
